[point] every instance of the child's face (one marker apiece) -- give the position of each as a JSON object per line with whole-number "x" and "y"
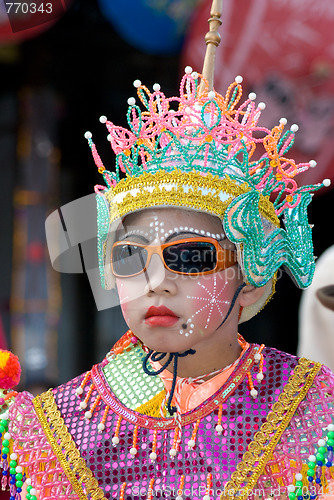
{"x": 172, "y": 312}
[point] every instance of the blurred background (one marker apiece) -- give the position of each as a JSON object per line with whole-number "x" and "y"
{"x": 61, "y": 70}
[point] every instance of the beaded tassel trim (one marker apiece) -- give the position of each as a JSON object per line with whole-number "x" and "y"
{"x": 101, "y": 385}
{"x": 254, "y": 459}
{"x": 259, "y": 451}
{"x": 67, "y": 453}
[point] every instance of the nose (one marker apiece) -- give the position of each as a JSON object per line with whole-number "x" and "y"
{"x": 158, "y": 279}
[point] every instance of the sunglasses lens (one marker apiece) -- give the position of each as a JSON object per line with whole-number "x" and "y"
{"x": 191, "y": 257}
{"x": 128, "y": 260}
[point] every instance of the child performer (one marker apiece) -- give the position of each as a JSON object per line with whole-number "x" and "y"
{"x": 201, "y": 212}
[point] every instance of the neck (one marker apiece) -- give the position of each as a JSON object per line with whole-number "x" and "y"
{"x": 209, "y": 356}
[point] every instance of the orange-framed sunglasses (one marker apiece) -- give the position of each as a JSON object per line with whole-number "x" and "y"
{"x": 190, "y": 256}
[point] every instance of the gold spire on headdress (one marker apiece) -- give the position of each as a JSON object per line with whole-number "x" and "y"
{"x": 212, "y": 40}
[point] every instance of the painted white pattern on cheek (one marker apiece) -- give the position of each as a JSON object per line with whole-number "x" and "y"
{"x": 209, "y": 303}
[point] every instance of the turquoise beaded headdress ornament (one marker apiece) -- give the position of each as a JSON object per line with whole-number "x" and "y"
{"x": 207, "y": 152}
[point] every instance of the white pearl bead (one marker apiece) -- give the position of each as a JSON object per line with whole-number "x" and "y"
{"x": 253, "y": 393}
{"x": 101, "y": 426}
{"x": 312, "y": 458}
{"x": 211, "y": 95}
{"x": 88, "y": 135}
{"x": 109, "y": 137}
{"x": 83, "y": 405}
{"x": 156, "y": 87}
{"x": 79, "y": 391}
{"x": 238, "y": 79}
{"x": 191, "y": 443}
{"x": 188, "y": 70}
{"x": 103, "y": 119}
{"x": 115, "y": 440}
{"x": 257, "y": 357}
{"x": 299, "y": 476}
{"x": 219, "y": 429}
{"x": 331, "y": 427}
{"x": 283, "y": 121}
{"x": 326, "y": 182}
{"x": 321, "y": 442}
{"x": 172, "y": 452}
{"x": 18, "y": 469}
{"x": 32, "y": 491}
{"x": 13, "y": 456}
{"x": 194, "y": 74}
{"x": 7, "y": 435}
{"x": 179, "y": 497}
{"x": 294, "y": 127}
{"x": 206, "y": 497}
{"x": 261, "y": 106}
{"x": 153, "y": 456}
{"x": 312, "y": 163}
{"x": 137, "y": 84}
{"x": 252, "y": 96}
{"x": 28, "y": 481}
{"x": 131, "y": 101}
{"x": 133, "y": 451}
{"x": 88, "y": 415}
{"x": 259, "y": 377}
{"x": 291, "y": 488}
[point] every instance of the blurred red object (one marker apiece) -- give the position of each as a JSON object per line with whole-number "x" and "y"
{"x": 284, "y": 51}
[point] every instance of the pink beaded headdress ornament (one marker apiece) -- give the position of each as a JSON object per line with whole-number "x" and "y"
{"x": 205, "y": 151}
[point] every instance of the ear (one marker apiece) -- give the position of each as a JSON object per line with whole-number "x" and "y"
{"x": 251, "y": 294}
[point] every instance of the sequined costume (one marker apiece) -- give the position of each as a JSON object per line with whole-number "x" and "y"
{"x": 241, "y": 443}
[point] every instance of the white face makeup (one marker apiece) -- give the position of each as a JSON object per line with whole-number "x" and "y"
{"x": 170, "y": 312}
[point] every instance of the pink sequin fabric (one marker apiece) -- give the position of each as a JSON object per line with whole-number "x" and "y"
{"x": 35, "y": 453}
{"x": 216, "y": 454}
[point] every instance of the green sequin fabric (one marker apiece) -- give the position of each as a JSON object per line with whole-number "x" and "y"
{"x": 128, "y": 381}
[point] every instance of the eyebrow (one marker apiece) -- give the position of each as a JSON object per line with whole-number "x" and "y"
{"x": 169, "y": 237}
{"x": 197, "y": 233}
{"x": 135, "y": 235}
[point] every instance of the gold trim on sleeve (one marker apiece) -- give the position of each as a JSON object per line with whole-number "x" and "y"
{"x": 67, "y": 453}
{"x": 265, "y": 440}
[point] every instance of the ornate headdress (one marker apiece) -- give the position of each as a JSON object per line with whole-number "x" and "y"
{"x": 206, "y": 152}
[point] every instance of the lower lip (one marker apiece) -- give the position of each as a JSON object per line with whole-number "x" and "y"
{"x": 161, "y": 320}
